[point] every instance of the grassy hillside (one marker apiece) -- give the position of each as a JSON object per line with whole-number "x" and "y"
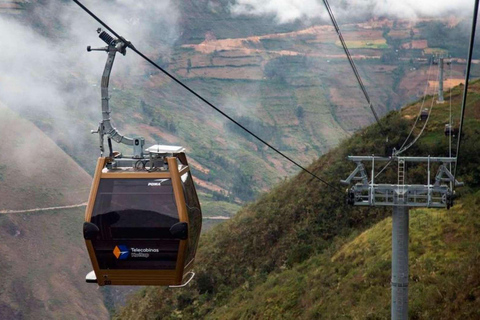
{"x": 44, "y": 261}
{"x": 300, "y": 252}
{"x": 351, "y": 279}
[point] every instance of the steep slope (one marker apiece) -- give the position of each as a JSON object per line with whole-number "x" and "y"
{"x": 43, "y": 267}
{"x": 34, "y": 171}
{"x": 352, "y": 279}
{"x": 44, "y": 261}
{"x": 281, "y": 242}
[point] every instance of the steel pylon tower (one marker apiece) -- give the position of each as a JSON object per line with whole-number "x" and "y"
{"x": 401, "y": 196}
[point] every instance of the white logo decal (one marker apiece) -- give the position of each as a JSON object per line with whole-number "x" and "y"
{"x": 143, "y": 253}
{"x": 157, "y": 183}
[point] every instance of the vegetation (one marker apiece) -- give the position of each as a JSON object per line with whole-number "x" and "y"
{"x": 299, "y": 252}
{"x": 365, "y": 44}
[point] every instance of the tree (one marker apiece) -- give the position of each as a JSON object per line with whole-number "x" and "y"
{"x": 299, "y": 112}
{"x": 189, "y": 65}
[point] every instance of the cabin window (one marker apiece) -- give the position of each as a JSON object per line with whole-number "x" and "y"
{"x": 135, "y": 208}
{"x": 134, "y": 217}
{"x": 194, "y": 215}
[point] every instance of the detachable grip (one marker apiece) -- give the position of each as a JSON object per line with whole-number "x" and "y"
{"x": 107, "y": 38}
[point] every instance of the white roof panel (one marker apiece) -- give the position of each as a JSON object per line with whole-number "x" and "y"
{"x": 158, "y": 148}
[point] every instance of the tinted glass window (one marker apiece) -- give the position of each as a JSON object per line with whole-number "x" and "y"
{"x": 194, "y": 215}
{"x": 135, "y": 208}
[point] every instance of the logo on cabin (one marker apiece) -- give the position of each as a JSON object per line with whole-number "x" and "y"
{"x": 121, "y": 252}
{"x": 157, "y": 183}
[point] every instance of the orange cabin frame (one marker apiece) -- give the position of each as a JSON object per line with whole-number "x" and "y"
{"x": 143, "y": 277}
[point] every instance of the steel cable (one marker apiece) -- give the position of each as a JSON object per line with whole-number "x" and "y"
{"x": 172, "y": 77}
{"x": 421, "y": 107}
{"x": 465, "y": 90}
{"x": 424, "y": 125}
{"x": 352, "y": 64}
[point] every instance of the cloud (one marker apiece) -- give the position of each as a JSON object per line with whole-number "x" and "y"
{"x": 291, "y": 10}
{"x": 285, "y": 10}
{"x": 36, "y": 59}
{"x": 46, "y": 72}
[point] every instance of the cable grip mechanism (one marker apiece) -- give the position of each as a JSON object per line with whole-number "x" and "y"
{"x": 119, "y": 45}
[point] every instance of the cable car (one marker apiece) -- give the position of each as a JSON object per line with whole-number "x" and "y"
{"x": 449, "y": 130}
{"x": 142, "y": 226}
{"x": 143, "y": 218}
{"x": 424, "y": 114}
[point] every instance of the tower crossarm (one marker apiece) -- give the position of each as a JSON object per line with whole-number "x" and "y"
{"x": 357, "y": 174}
{"x": 436, "y": 195}
{"x": 444, "y": 175}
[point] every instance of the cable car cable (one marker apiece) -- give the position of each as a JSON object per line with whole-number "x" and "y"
{"x": 352, "y": 64}
{"x": 450, "y": 122}
{"x": 424, "y": 125}
{"x": 132, "y": 47}
{"x": 421, "y": 107}
{"x": 467, "y": 77}
{"x": 416, "y": 120}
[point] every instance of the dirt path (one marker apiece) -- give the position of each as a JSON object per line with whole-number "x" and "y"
{"x": 44, "y": 209}
{"x": 216, "y": 218}
{"x": 83, "y": 205}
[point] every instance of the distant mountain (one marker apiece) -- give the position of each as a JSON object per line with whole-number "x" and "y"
{"x": 301, "y": 252}
{"x": 290, "y": 84}
{"x": 198, "y": 18}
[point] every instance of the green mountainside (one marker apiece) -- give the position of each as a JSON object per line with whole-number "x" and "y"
{"x": 300, "y": 252}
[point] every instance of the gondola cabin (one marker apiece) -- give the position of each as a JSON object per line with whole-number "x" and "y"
{"x": 143, "y": 222}
{"x": 424, "y": 114}
{"x": 450, "y": 130}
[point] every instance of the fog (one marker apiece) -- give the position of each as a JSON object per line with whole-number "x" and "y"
{"x": 291, "y": 10}
{"x": 48, "y": 76}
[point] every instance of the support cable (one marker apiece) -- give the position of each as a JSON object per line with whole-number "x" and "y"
{"x": 416, "y": 120}
{"x": 172, "y": 77}
{"x": 424, "y": 125}
{"x": 352, "y": 64}
{"x": 421, "y": 107}
{"x": 450, "y": 123}
{"x": 465, "y": 90}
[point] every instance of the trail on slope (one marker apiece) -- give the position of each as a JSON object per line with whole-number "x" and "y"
{"x": 83, "y": 205}
{"x": 44, "y": 209}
